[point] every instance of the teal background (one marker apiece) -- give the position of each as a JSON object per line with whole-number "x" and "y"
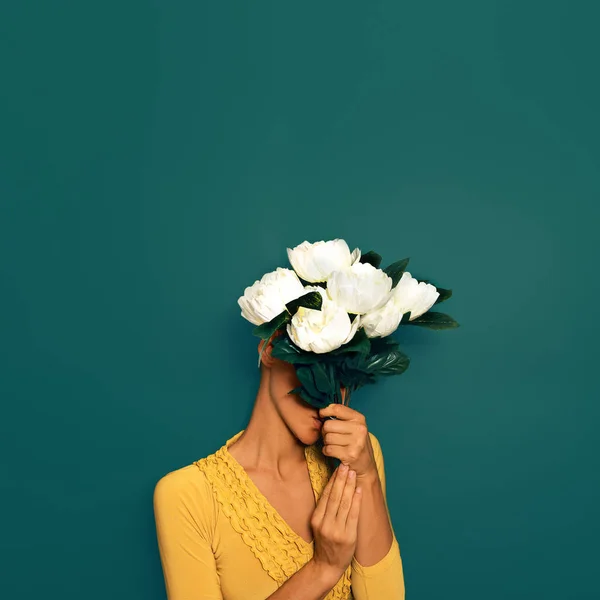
{"x": 157, "y": 157}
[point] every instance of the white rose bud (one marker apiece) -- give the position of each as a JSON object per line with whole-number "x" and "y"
{"x": 360, "y": 288}
{"x": 315, "y": 262}
{"x": 322, "y": 330}
{"x": 265, "y": 299}
{"x": 414, "y": 296}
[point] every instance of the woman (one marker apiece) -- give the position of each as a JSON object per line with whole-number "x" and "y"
{"x": 265, "y": 516}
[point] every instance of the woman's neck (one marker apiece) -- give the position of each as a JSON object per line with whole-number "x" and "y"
{"x": 267, "y": 445}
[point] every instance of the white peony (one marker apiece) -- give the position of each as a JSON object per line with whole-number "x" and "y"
{"x": 265, "y": 299}
{"x": 409, "y": 295}
{"x": 360, "y": 288}
{"x": 315, "y": 262}
{"x": 383, "y": 321}
{"x": 414, "y": 296}
{"x": 322, "y": 330}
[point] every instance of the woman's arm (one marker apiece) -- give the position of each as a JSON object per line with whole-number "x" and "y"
{"x": 377, "y": 566}
{"x": 311, "y": 582}
{"x": 187, "y": 558}
{"x": 374, "y": 528}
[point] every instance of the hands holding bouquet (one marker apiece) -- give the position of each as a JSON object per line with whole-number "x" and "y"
{"x": 336, "y": 310}
{"x": 346, "y": 438}
{"x": 331, "y": 316}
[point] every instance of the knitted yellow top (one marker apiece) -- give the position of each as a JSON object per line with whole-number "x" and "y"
{"x": 220, "y": 538}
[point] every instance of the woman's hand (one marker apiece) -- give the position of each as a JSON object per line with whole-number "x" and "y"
{"x": 335, "y": 523}
{"x": 347, "y": 438}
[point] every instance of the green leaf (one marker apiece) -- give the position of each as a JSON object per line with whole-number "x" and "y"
{"x": 266, "y": 330}
{"x": 317, "y": 381}
{"x": 371, "y": 258}
{"x": 324, "y": 378}
{"x": 359, "y": 343}
{"x": 383, "y": 344}
{"x": 322, "y": 284}
{"x": 384, "y": 360}
{"x": 300, "y": 391}
{"x": 395, "y": 270}
{"x": 444, "y": 295}
{"x": 353, "y": 372}
{"x": 432, "y": 320}
{"x": 285, "y": 349}
{"x": 312, "y": 300}
{"x": 388, "y": 363}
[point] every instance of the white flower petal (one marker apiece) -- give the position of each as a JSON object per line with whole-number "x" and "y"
{"x": 322, "y": 330}
{"x": 414, "y": 296}
{"x": 265, "y": 299}
{"x": 360, "y": 288}
{"x": 383, "y": 321}
{"x": 315, "y": 262}
{"x": 356, "y": 323}
{"x": 428, "y": 294}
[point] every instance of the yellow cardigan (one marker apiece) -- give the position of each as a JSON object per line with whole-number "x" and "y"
{"x": 220, "y": 539}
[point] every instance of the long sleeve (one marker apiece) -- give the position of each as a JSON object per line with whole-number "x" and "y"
{"x": 384, "y": 579}
{"x": 184, "y": 515}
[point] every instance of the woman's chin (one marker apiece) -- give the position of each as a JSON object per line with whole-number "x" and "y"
{"x": 312, "y": 433}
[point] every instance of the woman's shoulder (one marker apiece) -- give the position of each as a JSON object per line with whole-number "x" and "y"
{"x": 196, "y": 478}
{"x": 182, "y": 483}
{"x": 193, "y": 478}
{"x": 183, "y": 501}
{"x": 185, "y": 495}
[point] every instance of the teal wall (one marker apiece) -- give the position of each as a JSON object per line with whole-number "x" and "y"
{"x": 157, "y": 157}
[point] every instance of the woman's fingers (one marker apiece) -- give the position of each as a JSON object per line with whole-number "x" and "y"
{"x": 352, "y": 520}
{"x": 335, "y": 527}
{"x": 346, "y": 498}
{"x": 335, "y": 451}
{"x": 319, "y": 511}
{"x": 335, "y": 494}
{"x": 338, "y": 439}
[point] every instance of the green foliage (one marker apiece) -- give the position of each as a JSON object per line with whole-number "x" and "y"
{"x": 312, "y": 300}
{"x": 444, "y": 295}
{"x": 322, "y": 284}
{"x": 384, "y": 359}
{"x": 316, "y": 402}
{"x": 360, "y": 362}
{"x": 285, "y": 349}
{"x": 266, "y": 330}
{"x": 395, "y": 270}
{"x": 432, "y": 320}
{"x": 318, "y": 382}
{"x": 359, "y": 343}
{"x": 371, "y": 258}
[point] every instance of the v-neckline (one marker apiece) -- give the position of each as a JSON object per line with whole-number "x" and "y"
{"x": 243, "y": 475}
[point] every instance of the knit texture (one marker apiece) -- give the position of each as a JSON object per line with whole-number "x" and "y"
{"x": 280, "y": 550}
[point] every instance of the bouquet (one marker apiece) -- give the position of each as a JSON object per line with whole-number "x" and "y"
{"x": 332, "y": 315}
